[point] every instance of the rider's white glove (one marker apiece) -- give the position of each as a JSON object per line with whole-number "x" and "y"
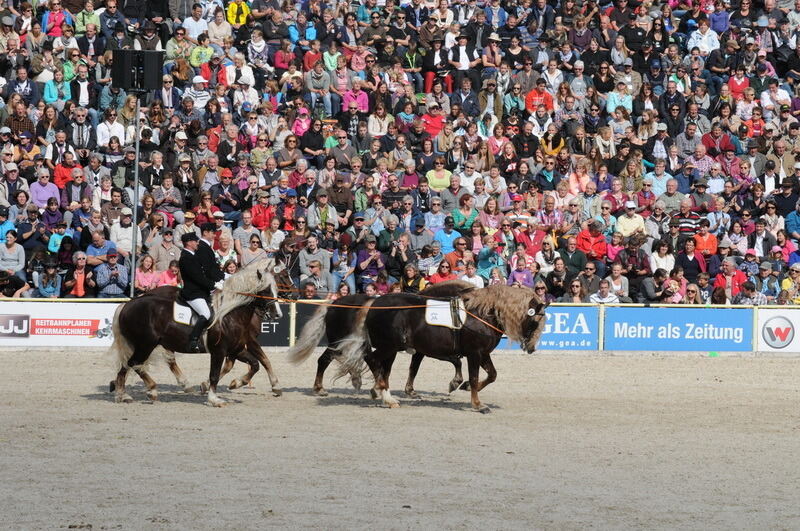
{"x": 219, "y": 284}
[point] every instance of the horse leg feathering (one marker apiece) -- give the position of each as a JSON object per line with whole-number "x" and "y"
{"x": 355, "y": 347}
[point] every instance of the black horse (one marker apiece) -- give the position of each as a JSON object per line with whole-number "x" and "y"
{"x": 382, "y": 328}
{"x": 144, "y": 323}
{"x": 337, "y": 322}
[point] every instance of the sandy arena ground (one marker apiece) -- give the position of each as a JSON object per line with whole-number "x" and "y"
{"x": 572, "y": 442}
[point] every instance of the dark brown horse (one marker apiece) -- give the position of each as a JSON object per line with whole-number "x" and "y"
{"x": 144, "y": 323}
{"x": 337, "y": 322}
{"x": 382, "y": 329}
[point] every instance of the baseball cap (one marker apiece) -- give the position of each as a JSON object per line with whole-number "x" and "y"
{"x": 111, "y": 252}
{"x": 795, "y": 266}
{"x": 628, "y": 62}
{"x": 777, "y": 249}
{"x": 5, "y": 130}
{"x": 189, "y": 214}
{"x": 370, "y": 238}
{"x": 11, "y": 166}
{"x": 420, "y": 222}
{"x": 449, "y": 220}
{"x": 126, "y": 212}
{"x": 219, "y": 214}
{"x": 661, "y": 127}
{"x": 766, "y": 266}
{"x": 198, "y": 79}
{"x": 359, "y": 215}
{"x": 291, "y": 192}
{"x": 750, "y": 251}
{"x": 180, "y": 135}
{"x": 516, "y": 197}
{"x": 630, "y": 204}
{"x": 322, "y": 193}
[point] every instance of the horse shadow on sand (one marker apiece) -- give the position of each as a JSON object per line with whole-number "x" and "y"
{"x": 456, "y": 401}
{"x": 166, "y": 393}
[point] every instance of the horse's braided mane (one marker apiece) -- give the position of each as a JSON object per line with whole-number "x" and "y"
{"x": 509, "y": 305}
{"x": 246, "y": 280}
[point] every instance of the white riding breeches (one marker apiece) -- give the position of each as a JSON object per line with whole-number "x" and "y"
{"x": 201, "y": 307}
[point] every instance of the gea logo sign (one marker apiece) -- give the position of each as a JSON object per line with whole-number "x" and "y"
{"x": 14, "y": 325}
{"x": 778, "y": 332}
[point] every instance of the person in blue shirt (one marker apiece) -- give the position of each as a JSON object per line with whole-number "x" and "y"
{"x": 447, "y": 235}
{"x": 5, "y": 224}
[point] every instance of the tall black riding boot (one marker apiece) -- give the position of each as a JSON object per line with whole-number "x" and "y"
{"x": 197, "y": 331}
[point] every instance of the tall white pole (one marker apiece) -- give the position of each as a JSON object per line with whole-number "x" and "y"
{"x": 135, "y": 208}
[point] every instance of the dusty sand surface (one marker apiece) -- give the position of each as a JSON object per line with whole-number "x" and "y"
{"x": 571, "y": 442}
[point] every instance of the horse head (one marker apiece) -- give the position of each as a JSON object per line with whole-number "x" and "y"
{"x": 268, "y": 278}
{"x": 533, "y": 324}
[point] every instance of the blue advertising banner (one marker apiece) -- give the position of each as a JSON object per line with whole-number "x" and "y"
{"x": 678, "y": 329}
{"x": 568, "y": 328}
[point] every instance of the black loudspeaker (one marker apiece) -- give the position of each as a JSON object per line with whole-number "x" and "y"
{"x": 137, "y": 70}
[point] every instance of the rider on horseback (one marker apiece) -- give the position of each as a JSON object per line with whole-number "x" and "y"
{"x": 200, "y": 274}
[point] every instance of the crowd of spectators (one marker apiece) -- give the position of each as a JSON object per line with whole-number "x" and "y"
{"x": 635, "y": 151}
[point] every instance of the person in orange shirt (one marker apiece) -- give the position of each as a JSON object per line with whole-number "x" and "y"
{"x": 539, "y": 96}
{"x": 705, "y": 242}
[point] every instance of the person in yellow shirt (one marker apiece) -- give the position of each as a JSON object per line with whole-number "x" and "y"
{"x": 237, "y": 13}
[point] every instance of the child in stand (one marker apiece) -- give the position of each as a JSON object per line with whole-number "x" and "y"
{"x": 496, "y": 278}
{"x": 172, "y": 276}
{"x": 612, "y": 249}
{"x": 312, "y": 56}
{"x": 750, "y": 264}
{"x": 283, "y": 58}
{"x": 331, "y": 56}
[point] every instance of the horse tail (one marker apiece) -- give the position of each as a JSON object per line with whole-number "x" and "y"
{"x": 312, "y": 333}
{"x": 355, "y": 346}
{"x": 121, "y": 349}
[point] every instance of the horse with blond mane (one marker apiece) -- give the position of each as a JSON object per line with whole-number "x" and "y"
{"x": 144, "y": 323}
{"x": 384, "y": 326}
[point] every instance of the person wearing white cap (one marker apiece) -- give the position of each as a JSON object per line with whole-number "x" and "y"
{"x": 630, "y": 223}
{"x": 198, "y": 92}
{"x": 121, "y": 233}
{"x": 245, "y": 92}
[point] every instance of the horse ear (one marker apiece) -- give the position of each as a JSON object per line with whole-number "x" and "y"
{"x": 258, "y": 274}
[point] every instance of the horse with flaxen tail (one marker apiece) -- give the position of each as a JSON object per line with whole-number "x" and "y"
{"x": 379, "y": 334}
{"x": 144, "y": 323}
{"x": 337, "y": 322}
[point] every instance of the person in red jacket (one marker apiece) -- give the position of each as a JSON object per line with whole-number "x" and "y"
{"x": 539, "y": 96}
{"x": 532, "y": 237}
{"x": 730, "y": 279}
{"x": 593, "y": 244}
{"x": 716, "y": 141}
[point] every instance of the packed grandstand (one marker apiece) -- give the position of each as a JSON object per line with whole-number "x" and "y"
{"x": 614, "y": 152}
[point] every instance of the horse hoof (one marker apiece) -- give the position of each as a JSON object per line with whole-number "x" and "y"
{"x": 356, "y": 383}
{"x": 217, "y": 403}
{"x": 152, "y": 395}
{"x": 481, "y": 409}
{"x": 204, "y": 388}
{"x": 235, "y": 384}
{"x": 374, "y": 394}
{"x": 393, "y": 405}
{"x": 464, "y": 386}
{"x": 124, "y": 399}
{"x": 277, "y": 392}
{"x": 319, "y": 392}
{"x": 112, "y": 386}
{"x": 410, "y": 393}
{"x": 188, "y": 389}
